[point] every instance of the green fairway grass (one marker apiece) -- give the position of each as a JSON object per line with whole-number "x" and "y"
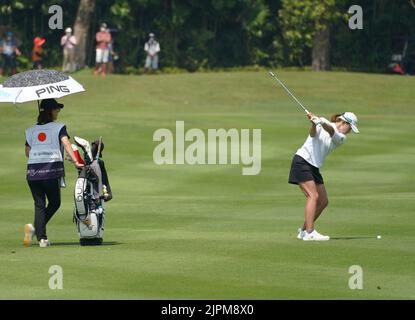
{"x": 208, "y": 232}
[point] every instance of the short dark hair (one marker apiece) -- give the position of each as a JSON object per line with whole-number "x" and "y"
{"x": 46, "y": 107}
{"x": 336, "y": 117}
{"x": 45, "y": 117}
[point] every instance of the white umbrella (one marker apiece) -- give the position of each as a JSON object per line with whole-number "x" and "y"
{"x": 38, "y": 85}
{"x": 6, "y": 95}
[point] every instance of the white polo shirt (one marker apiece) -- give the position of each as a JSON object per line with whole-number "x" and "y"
{"x": 152, "y": 47}
{"x": 315, "y": 149}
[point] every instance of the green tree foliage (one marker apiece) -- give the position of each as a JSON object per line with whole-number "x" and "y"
{"x": 196, "y": 34}
{"x": 200, "y": 34}
{"x": 388, "y": 24}
{"x": 301, "y": 20}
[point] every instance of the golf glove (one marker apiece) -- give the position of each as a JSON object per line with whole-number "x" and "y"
{"x": 316, "y": 120}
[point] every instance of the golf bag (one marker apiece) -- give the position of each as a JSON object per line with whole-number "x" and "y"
{"x": 395, "y": 66}
{"x": 89, "y": 212}
{"x": 403, "y": 62}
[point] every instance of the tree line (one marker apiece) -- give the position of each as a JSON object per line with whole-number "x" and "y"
{"x": 205, "y": 34}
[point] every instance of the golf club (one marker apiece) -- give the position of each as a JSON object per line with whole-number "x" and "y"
{"x": 99, "y": 148}
{"x": 288, "y": 91}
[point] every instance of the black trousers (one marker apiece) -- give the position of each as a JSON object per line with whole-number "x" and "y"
{"x": 41, "y": 190}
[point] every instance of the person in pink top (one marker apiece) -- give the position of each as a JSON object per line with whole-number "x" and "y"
{"x": 68, "y": 43}
{"x": 103, "y": 38}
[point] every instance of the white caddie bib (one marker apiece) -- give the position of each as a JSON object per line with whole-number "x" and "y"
{"x": 46, "y": 153}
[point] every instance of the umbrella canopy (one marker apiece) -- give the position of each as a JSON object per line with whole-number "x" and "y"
{"x": 38, "y": 85}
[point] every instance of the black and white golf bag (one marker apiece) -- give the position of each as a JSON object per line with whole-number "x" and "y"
{"x": 89, "y": 212}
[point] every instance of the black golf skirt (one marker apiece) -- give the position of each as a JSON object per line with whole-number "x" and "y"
{"x": 302, "y": 171}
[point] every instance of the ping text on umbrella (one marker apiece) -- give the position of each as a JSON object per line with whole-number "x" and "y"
{"x": 52, "y": 88}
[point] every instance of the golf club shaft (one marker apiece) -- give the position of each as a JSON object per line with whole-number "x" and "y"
{"x": 99, "y": 148}
{"x": 288, "y": 91}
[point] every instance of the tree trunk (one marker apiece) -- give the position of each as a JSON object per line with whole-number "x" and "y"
{"x": 321, "y": 50}
{"x": 81, "y": 31}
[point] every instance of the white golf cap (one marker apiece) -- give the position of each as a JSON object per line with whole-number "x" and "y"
{"x": 68, "y": 30}
{"x": 151, "y": 35}
{"x": 351, "y": 119}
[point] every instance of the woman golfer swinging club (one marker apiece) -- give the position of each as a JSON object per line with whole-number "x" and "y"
{"x": 45, "y": 142}
{"x": 324, "y": 137}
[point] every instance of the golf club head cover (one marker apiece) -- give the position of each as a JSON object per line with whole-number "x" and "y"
{"x": 85, "y": 146}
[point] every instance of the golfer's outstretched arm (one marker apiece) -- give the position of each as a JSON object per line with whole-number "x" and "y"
{"x": 328, "y": 128}
{"x": 313, "y": 128}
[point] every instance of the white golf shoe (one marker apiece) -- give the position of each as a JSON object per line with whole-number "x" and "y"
{"x": 43, "y": 243}
{"x": 300, "y": 234}
{"x": 29, "y": 232}
{"x": 314, "y": 236}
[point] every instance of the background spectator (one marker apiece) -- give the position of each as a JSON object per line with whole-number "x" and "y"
{"x": 37, "y": 52}
{"x": 103, "y": 39}
{"x": 8, "y": 51}
{"x": 152, "y": 48}
{"x": 68, "y": 43}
